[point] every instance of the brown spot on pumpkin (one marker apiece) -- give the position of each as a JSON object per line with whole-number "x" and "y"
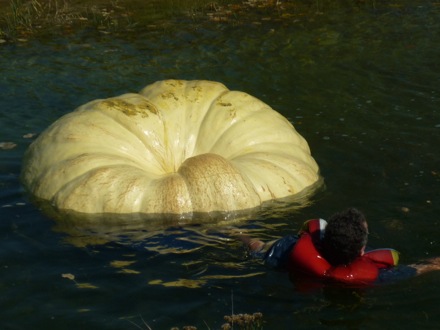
{"x": 169, "y": 95}
{"x": 225, "y": 104}
{"x": 130, "y": 109}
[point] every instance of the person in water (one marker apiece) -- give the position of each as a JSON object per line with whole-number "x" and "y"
{"x": 335, "y": 251}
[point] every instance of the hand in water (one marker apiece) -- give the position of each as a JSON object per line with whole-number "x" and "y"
{"x": 427, "y": 265}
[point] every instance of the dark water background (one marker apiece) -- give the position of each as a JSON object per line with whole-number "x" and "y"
{"x": 360, "y": 83}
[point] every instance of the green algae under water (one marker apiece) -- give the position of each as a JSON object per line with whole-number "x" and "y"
{"x": 361, "y": 86}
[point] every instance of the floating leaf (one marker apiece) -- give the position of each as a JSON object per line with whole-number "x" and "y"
{"x": 84, "y": 310}
{"x": 223, "y": 277}
{"x": 68, "y": 276}
{"x": 128, "y": 271}
{"x": 182, "y": 282}
{"x": 85, "y": 286}
{"x": 7, "y": 145}
{"x": 121, "y": 263}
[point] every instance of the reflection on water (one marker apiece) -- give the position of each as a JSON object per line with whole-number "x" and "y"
{"x": 85, "y": 229}
{"x": 360, "y": 85}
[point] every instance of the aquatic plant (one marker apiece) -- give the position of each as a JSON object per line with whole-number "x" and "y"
{"x": 243, "y": 322}
{"x": 21, "y": 19}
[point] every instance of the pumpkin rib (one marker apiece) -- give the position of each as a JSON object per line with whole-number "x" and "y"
{"x": 282, "y": 171}
{"x": 245, "y": 142}
{"x": 64, "y": 129}
{"x": 121, "y": 121}
{"x": 227, "y": 128}
{"x": 109, "y": 199}
{"x": 177, "y": 97}
{"x": 253, "y": 127}
{"x": 202, "y": 122}
{"x": 258, "y": 181}
{"x": 92, "y": 144}
{"x": 225, "y": 132}
{"x": 285, "y": 166}
{"x": 225, "y": 187}
{"x": 51, "y": 175}
{"x": 282, "y": 148}
{"x": 173, "y": 198}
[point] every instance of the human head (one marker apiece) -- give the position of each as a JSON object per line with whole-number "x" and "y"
{"x": 345, "y": 237}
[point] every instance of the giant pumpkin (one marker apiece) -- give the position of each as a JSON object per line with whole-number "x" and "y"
{"x": 177, "y": 147}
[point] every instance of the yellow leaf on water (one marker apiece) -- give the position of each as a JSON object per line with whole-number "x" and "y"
{"x": 227, "y": 277}
{"x": 68, "y": 276}
{"x": 86, "y": 286}
{"x": 182, "y": 282}
{"x": 128, "y": 271}
{"x": 78, "y": 285}
{"x": 7, "y": 145}
{"x": 83, "y": 310}
{"x": 121, "y": 263}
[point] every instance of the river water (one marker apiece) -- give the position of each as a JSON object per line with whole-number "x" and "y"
{"x": 360, "y": 83}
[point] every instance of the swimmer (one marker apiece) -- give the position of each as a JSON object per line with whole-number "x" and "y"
{"x": 336, "y": 251}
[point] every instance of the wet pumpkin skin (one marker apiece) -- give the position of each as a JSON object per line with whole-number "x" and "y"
{"x": 176, "y": 147}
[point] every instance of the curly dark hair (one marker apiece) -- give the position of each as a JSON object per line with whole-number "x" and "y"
{"x": 345, "y": 236}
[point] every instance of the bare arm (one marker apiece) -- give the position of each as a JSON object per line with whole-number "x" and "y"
{"x": 427, "y": 265}
{"x": 254, "y": 245}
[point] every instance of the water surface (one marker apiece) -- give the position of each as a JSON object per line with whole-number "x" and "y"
{"x": 360, "y": 84}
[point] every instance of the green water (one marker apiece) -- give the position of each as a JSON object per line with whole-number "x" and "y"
{"x": 361, "y": 84}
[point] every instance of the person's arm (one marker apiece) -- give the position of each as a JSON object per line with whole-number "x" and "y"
{"x": 426, "y": 266}
{"x": 254, "y": 245}
{"x": 402, "y": 272}
{"x": 275, "y": 253}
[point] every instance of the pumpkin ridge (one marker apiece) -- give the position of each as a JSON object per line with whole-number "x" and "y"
{"x": 158, "y": 154}
{"x": 227, "y": 127}
{"x": 169, "y": 196}
{"x": 255, "y": 155}
{"x": 268, "y": 147}
{"x": 254, "y": 133}
{"x": 190, "y": 103}
{"x": 281, "y": 173}
{"x": 202, "y": 122}
{"x": 81, "y": 186}
{"x": 279, "y": 165}
{"x": 226, "y": 186}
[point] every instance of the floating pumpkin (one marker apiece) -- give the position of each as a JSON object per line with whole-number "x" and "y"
{"x": 177, "y": 147}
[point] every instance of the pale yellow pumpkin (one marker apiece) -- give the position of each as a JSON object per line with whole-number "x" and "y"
{"x": 177, "y": 147}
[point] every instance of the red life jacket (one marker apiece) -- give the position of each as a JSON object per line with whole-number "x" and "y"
{"x": 306, "y": 258}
